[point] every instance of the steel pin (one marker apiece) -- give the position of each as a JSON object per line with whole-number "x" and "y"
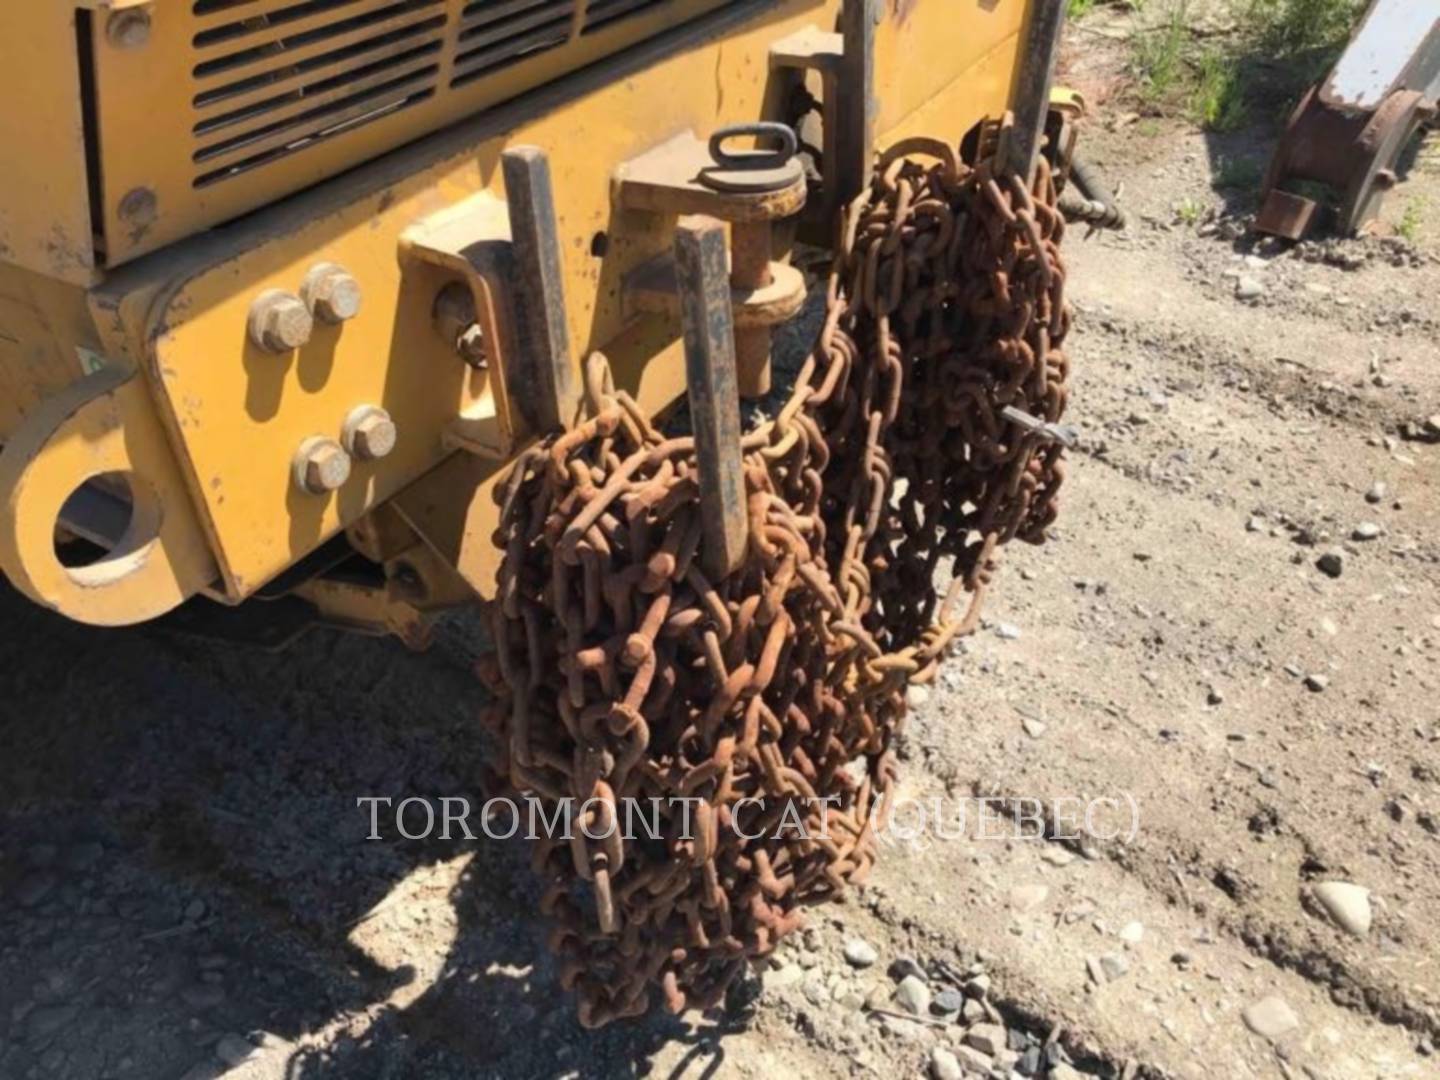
{"x": 1064, "y": 434}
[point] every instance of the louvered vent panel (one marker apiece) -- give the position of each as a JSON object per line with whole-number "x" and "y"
{"x": 603, "y": 12}
{"x": 497, "y": 33}
{"x": 272, "y": 79}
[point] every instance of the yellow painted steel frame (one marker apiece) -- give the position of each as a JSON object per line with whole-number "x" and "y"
{"x": 233, "y": 415}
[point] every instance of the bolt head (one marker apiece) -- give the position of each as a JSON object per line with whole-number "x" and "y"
{"x": 471, "y": 346}
{"x": 321, "y": 465}
{"x": 139, "y": 207}
{"x": 370, "y": 434}
{"x": 128, "y": 29}
{"x": 331, "y": 294}
{"x": 279, "y": 321}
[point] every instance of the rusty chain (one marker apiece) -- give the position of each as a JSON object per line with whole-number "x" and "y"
{"x": 738, "y": 733}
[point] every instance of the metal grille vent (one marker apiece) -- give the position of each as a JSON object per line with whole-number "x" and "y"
{"x": 273, "y": 79}
{"x": 603, "y": 12}
{"x": 496, "y": 33}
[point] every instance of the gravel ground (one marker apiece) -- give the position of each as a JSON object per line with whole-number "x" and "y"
{"x": 1237, "y": 626}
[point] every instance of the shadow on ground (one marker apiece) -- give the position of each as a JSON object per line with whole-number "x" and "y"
{"x": 183, "y": 862}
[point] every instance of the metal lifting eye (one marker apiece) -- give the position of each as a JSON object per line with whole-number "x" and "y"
{"x": 754, "y": 159}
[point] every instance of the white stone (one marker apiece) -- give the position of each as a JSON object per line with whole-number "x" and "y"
{"x": 1248, "y": 288}
{"x": 1270, "y": 1017}
{"x": 914, "y": 995}
{"x": 1028, "y": 897}
{"x": 1347, "y": 904}
{"x": 860, "y": 954}
{"x": 944, "y": 1065}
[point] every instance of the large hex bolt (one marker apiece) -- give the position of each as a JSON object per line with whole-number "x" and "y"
{"x": 369, "y": 433}
{"x": 128, "y": 28}
{"x": 331, "y": 294}
{"x": 321, "y": 465}
{"x": 279, "y": 321}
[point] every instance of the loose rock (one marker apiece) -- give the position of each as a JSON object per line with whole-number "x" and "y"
{"x": 1347, "y": 904}
{"x": 1248, "y": 288}
{"x": 1331, "y": 564}
{"x": 944, "y": 1065}
{"x": 1028, "y": 897}
{"x": 978, "y": 1063}
{"x": 860, "y": 954}
{"x": 1114, "y": 966}
{"x": 1316, "y": 683}
{"x": 1270, "y": 1017}
{"x": 989, "y": 1039}
{"x": 914, "y": 995}
{"x": 1366, "y": 530}
{"x": 948, "y": 1002}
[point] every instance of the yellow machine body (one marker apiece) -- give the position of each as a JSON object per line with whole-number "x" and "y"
{"x": 124, "y": 318}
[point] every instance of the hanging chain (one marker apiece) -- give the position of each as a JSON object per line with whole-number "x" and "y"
{"x": 725, "y": 746}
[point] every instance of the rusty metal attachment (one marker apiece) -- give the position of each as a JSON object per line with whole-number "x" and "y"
{"x": 548, "y": 382}
{"x": 747, "y": 709}
{"x": 710, "y": 346}
{"x": 1349, "y": 132}
{"x": 750, "y": 189}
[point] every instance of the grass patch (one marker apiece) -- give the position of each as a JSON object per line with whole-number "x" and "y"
{"x": 1078, "y": 9}
{"x": 1160, "y": 54}
{"x": 1189, "y": 211}
{"x": 1276, "y": 49}
{"x": 1411, "y": 221}
{"x": 1218, "y": 101}
{"x": 1284, "y": 28}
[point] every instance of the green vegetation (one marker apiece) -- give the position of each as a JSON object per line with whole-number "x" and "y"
{"x": 1189, "y": 211}
{"x": 1411, "y": 220}
{"x": 1269, "y": 52}
{"x": 1218, "y": 102}
{"x": 1077, "y": 9}
{"x": 1160, "y": 53}
{"x": 1290, "y": 27}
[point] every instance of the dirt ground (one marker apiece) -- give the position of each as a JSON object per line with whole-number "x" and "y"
{"x": 186, "y": 891}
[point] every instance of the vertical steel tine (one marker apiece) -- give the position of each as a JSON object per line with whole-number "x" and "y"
{"x": 548, "y": 387}
{"x": 704, "y": 282}
{"x": 855, "y": 139}
{"x": 1031, "y": 100}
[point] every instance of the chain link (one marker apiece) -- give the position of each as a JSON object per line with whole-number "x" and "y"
{"x": 738, "y": 733}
